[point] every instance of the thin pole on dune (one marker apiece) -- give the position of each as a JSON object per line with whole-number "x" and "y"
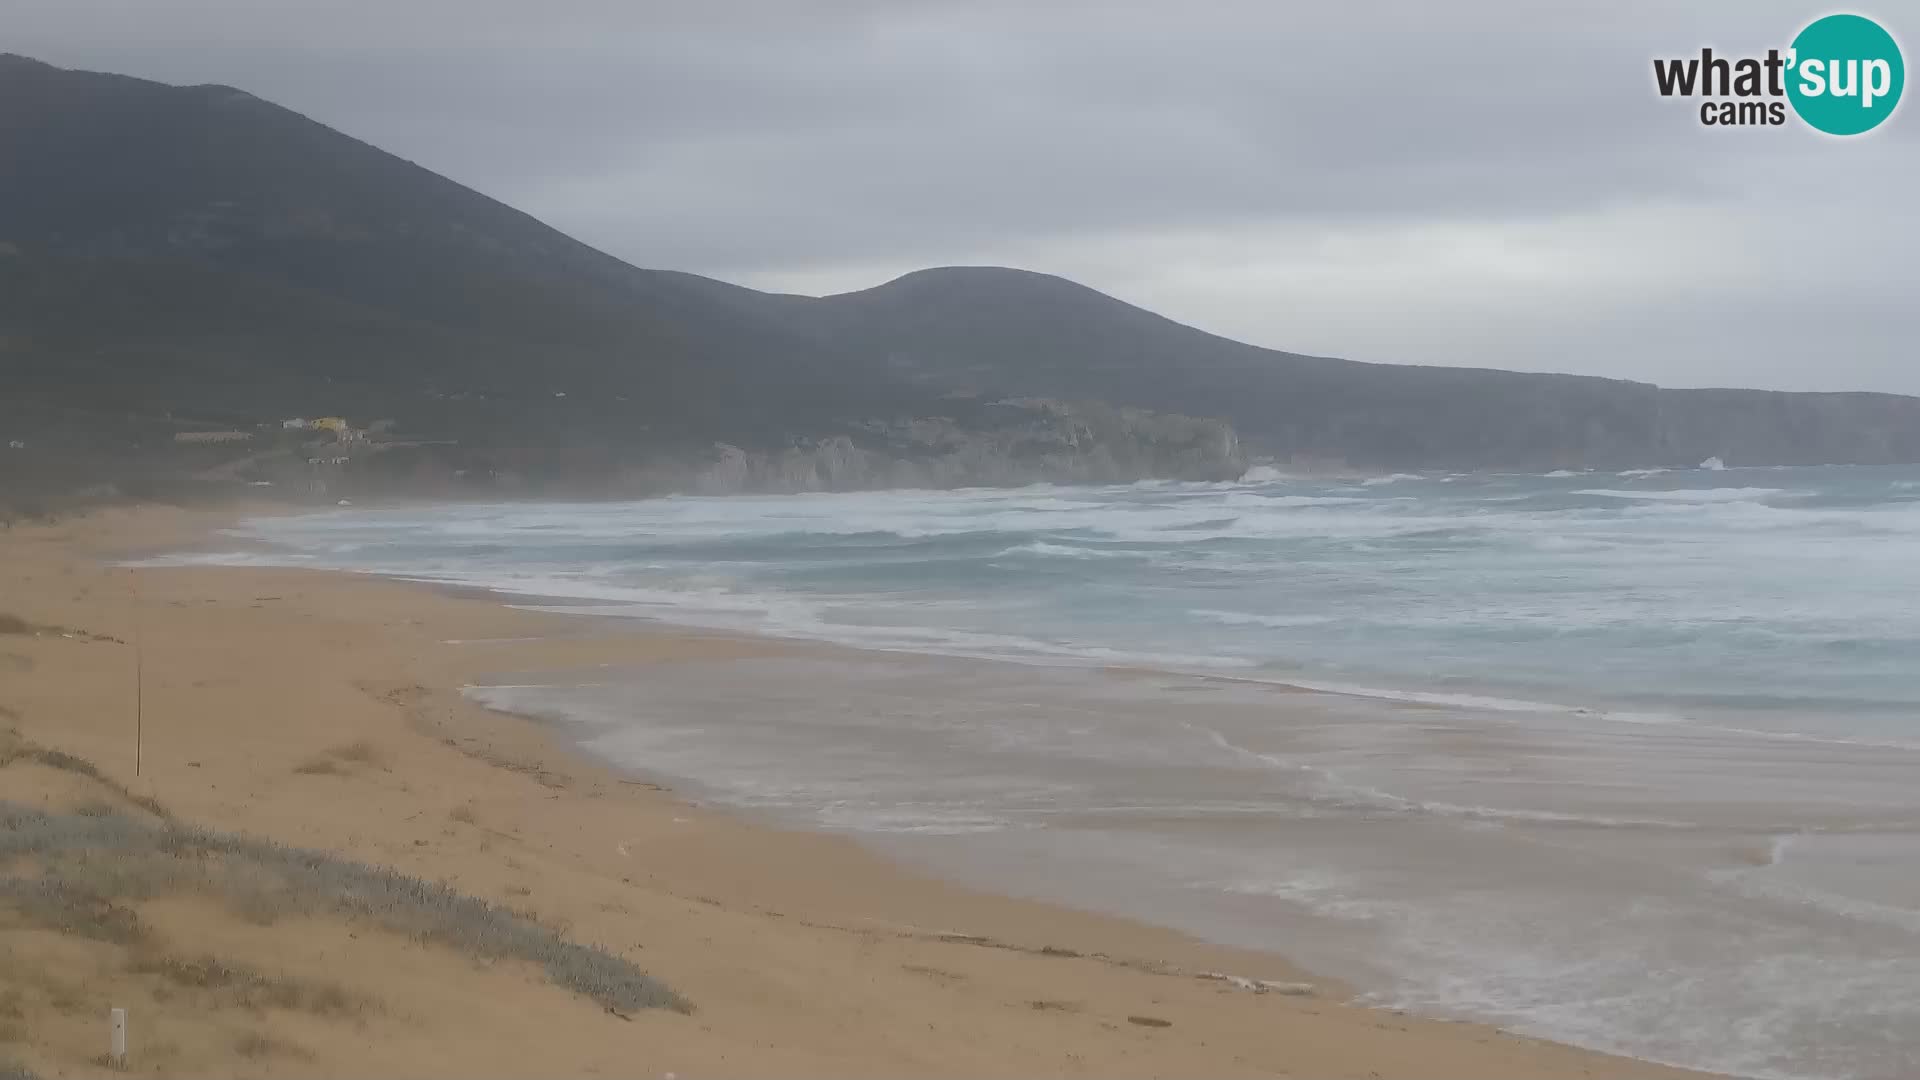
{"x": 139, "y": 673}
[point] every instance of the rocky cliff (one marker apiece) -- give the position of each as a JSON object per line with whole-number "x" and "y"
{"x": 1021, "y": 442}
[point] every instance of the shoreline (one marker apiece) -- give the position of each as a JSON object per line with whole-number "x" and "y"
{"x": 803, "y": 952}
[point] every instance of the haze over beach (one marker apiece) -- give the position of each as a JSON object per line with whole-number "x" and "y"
{"x": 957, "y": 539}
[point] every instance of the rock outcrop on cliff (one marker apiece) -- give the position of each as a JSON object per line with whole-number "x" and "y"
{"x": 1030, "y": 441}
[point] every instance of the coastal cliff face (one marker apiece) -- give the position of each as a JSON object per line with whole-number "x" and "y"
{"x": 1023, "y": 442}
{"x": 1754, "y": 427}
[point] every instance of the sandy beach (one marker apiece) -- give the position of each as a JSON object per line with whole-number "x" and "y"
{"x": 324, "y": 711}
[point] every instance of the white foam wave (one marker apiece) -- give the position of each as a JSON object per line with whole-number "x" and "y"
{"x": 1763, "y": 882}
{"x": 911, "y": 820}
{"x": 1421, "y": 697}
{"x": 1254, "y": 501}
{"x": 1456, "y": 573}
{"x": 1065, "y": 551}
{"x": 1688, "y": 495}
{"x": 1242, "y": 618}
{"x": 790, "y": 617}
{"x": 1345, "y": 795}
{"x": 1556, "y": 542}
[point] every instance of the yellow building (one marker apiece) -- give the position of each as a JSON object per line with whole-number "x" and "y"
{"x": 330, "y": 423}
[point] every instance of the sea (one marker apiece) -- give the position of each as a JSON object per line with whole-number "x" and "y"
{"x": 1626, "y": 759}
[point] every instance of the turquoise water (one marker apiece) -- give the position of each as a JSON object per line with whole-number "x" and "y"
{"x": 1630, "y": 760}
{"x": 1788, "y": 598}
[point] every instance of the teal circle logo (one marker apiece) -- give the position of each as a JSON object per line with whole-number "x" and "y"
{"x": 1845, "y": 74}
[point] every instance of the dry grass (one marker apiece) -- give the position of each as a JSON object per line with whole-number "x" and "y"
{"x": 13, "y": 1018}
{"x": 360, "y": 752}
{"x": 938, "y": 975}
{"x": 93, "y": 868}
{"x": 13, "y": 748}
{"x": 14, "y": 624}
{"x": 254, "y": 1046}
{"x": 70, "y": 909}
{"x": 339, "y": 760}
{"x": 248, "y": 988}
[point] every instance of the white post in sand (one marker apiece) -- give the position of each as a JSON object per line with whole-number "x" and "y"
{"x": 117, "y": 1020}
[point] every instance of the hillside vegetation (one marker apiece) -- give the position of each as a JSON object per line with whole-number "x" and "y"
{"x": 175, "y": 259}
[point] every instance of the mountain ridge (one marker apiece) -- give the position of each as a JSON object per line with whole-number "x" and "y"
{"x": 202, "y": 253}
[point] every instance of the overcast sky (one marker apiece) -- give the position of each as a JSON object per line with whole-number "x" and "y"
{"x": 1490, "y": 184}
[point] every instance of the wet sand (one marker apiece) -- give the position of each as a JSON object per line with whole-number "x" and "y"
{"x": 802, "y": 953}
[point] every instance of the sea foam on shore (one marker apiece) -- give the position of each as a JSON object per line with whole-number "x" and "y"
{"x": 1628, "y": 761}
